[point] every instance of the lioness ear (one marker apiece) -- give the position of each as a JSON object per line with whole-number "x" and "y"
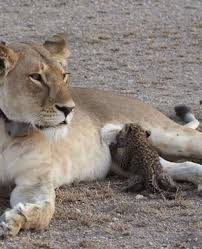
{"x": 58, "y": 47}
{"x": 8, "y": 59}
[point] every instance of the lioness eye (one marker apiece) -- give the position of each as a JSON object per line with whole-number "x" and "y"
{"x": 36, "y": 76}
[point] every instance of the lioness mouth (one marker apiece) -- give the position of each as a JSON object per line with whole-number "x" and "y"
{"x": 3, "y": 115}
{"x": 42, "y": 127}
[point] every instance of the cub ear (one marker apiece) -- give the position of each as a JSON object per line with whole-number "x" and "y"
{"x": 148, "y": 133}
{"x": 8, "y": 59}
{"x": 58, "y": 48}
{"x": 127, "y": 128}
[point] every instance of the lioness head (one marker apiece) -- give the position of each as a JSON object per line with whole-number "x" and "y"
{"x": 34, "y": 86}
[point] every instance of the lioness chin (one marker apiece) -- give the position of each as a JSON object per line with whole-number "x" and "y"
{"x": 35, "y": 91}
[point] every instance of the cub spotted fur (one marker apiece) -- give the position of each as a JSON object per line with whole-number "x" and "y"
{"x": 141, "y": 160}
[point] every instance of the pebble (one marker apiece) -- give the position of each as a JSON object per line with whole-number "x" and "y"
{"x": 139, "y": 197}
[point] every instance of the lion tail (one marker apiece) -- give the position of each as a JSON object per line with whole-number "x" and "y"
{"x": 186, "y": 115}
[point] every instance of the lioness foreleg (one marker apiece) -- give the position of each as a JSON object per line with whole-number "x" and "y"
{"x": 32, "y": 208}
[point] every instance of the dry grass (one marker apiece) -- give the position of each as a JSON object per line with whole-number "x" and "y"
{"x": 84, "y": 217}
{"x": 90, "y": 244}
{"x": 91, "y": 211}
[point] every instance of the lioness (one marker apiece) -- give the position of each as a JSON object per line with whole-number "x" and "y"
{"x": 70, "y": 134}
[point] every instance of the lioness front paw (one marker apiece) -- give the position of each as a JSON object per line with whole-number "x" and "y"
{"x": 11, "y": 222}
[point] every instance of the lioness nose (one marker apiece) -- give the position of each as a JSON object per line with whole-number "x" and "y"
{"x": 65, "y": 109}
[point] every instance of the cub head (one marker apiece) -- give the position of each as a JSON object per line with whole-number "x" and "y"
{"x": 131, "y": 132}
{"x": 34, "y": 86}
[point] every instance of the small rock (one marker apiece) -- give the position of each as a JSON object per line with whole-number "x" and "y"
{"x": 139, "y": 197}
{"x": 87, "y": 244}
{"x": 77, "y": 210}
{"x": 126, "y": 233}
{"x": 115, "y": 219}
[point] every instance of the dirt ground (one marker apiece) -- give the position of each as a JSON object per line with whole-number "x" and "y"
{"x": 149, "y": 49}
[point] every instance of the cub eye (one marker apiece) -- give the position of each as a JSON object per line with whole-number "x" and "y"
{"x": 36, "y": 76}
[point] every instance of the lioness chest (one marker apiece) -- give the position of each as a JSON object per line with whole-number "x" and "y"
{"x": 83, "y": 155}
{"x": 23, "y": 158}
{"x": 80, "y": 156}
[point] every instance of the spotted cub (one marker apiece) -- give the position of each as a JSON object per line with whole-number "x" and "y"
{"x": 141, "y": 160}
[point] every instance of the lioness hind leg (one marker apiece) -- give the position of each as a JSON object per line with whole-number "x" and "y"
{"x": 32, "y": 208}
{"x": 177, "y": 142}
{"x": 186, "y": 171}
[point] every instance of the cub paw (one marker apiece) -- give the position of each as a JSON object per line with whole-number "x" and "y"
{"x": 166, "y": 183}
